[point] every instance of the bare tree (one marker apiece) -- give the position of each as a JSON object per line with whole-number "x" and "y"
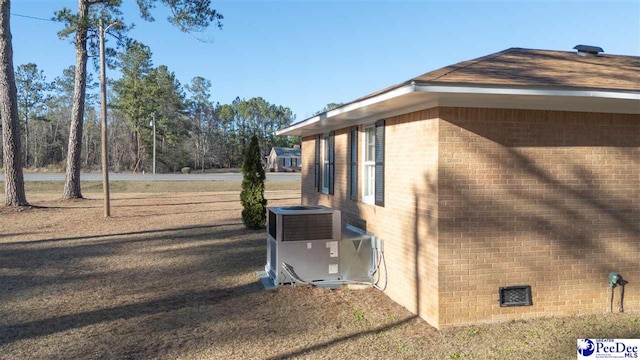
{"x": 13, "y": 179}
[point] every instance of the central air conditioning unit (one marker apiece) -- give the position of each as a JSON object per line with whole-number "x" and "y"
{"x": 307, "y": 240}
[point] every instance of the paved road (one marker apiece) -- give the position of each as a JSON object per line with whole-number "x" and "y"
{"x": 157, "y": 177}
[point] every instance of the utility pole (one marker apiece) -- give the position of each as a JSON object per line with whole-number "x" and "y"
{"x": 103, "y": 122}
{"x": 153, "y": 122}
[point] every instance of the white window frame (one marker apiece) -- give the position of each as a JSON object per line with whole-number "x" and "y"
{"x": 287, "y": 162}
{"x": 368, "y": 167}
{"x": 324, "y": 161}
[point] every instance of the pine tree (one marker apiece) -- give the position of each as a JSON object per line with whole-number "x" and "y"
{"x": 13, "y": 178}
{"x": 188, "y": 15}
{"x": 252, "y": 196}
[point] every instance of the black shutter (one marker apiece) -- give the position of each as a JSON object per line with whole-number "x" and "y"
{"x": 332, "y": 156}
{"x": 379, "y": 191}
{"x": 353, "y": 173}
{"x": 317, "y": 164}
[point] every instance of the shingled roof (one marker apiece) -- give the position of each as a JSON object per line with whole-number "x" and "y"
{"x": 526, "y": 67}
{"x": 287, "y": 152}
{"x": 514, "y": 78}
{"x": 538, "y": 69}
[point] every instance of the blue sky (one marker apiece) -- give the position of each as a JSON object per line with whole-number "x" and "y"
{"x": 305, "y": 54}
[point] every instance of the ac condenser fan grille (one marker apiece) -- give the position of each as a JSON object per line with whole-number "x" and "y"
{"x": 307, "y": 227}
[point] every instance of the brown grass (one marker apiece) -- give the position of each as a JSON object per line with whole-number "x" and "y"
{"x": 154, "y": 186}
{"x": 172, "y": 275}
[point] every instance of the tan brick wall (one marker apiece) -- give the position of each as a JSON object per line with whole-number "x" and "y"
{"x": 408, "y": 220}
{"x": 540, "y": 198}
{"x": 477, "y": 199}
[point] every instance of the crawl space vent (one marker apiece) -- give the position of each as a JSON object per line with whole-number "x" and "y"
{"x": 515, "y": 296}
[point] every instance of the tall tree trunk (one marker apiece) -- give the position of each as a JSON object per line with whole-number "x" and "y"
{"x": 26, "y": 139}
{"x": 36, "y": 148}
{"x": 138, "y": 154}
{"x": 87, "y": 137}
{"x": 13, "y": 180}
{"x": 72, "y": 183}
{"x": 205, "y": 148}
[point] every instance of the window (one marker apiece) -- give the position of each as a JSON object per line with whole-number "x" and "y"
{"x": 369, "y": 178}
{"x": 353, "y": 170}
{"x": 332, "y": 160}
{"x": 373, "y": 164}
{"x": 316, "y": 180}
{"x": 325, "y": 159}
{"x": 325, "y": 164}
{"x": 287, "y": 162}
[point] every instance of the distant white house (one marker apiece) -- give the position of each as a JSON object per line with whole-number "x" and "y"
{"x": 282, "y": 159}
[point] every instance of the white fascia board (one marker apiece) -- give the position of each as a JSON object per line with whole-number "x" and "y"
{"x": 483, "y": 90}
{"x": 426, "y": 104}
{"x": 407, "y": 89}
{"x": 458, "y": 89}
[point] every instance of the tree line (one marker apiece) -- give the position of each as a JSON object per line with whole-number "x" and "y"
{"x": 191, "y": 129}
{"x": 56, "y": 124}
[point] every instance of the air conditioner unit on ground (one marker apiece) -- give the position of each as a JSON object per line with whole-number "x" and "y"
{"x": 307, "y": 244}
{"x": 307, "y": 240}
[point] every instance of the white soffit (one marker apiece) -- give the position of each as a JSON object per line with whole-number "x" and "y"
{"x": 414, "y": 97}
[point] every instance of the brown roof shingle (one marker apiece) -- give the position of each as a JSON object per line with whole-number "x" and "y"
{"x": 536, "y": 69}
{"x": 543, "y": 68}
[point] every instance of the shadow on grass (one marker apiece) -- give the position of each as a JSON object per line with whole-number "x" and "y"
{"x": 115, "y": 203}
{"x": 7, "y": 235}
{"x": 179, "y": 204}
{"x": 147, "y": 215}
{"x": 328, "y": 344}
{"x": 236, "y": 201}
{"x": 100, "y": 236}
{"x": 16, "y": 332}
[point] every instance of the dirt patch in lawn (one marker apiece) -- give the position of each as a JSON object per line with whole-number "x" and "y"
{"x": 172, "y": 275}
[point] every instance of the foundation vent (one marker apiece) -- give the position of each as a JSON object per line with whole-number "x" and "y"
{"x": 515, "y": 296}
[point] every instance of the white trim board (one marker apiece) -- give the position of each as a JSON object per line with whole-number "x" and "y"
{"x": 414, "y": 97}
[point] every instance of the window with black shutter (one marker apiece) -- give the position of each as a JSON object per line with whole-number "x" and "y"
{"x": 324, "y": 164}
{"x": 379, "y": 182}
{"x": 353, "y": 171}
{"x": 317, "y": 164}
{"x": 332, "y": 155}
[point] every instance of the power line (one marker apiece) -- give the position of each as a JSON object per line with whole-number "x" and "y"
{"x": 31, "y": 17}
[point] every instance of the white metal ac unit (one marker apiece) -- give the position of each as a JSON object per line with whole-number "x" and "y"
{"x": 307, "y": 239}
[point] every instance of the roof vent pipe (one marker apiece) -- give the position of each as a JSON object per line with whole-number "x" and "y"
{"x": 588, "y": 50}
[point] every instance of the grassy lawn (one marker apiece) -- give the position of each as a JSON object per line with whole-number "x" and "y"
{"x": 36, "y": 187}
{"x": 172, "y": 275}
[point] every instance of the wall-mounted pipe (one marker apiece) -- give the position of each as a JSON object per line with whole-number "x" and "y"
{"x": 616, "y": 279}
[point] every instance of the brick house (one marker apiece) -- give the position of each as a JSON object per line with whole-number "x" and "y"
{"x": 520, "y": 168}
